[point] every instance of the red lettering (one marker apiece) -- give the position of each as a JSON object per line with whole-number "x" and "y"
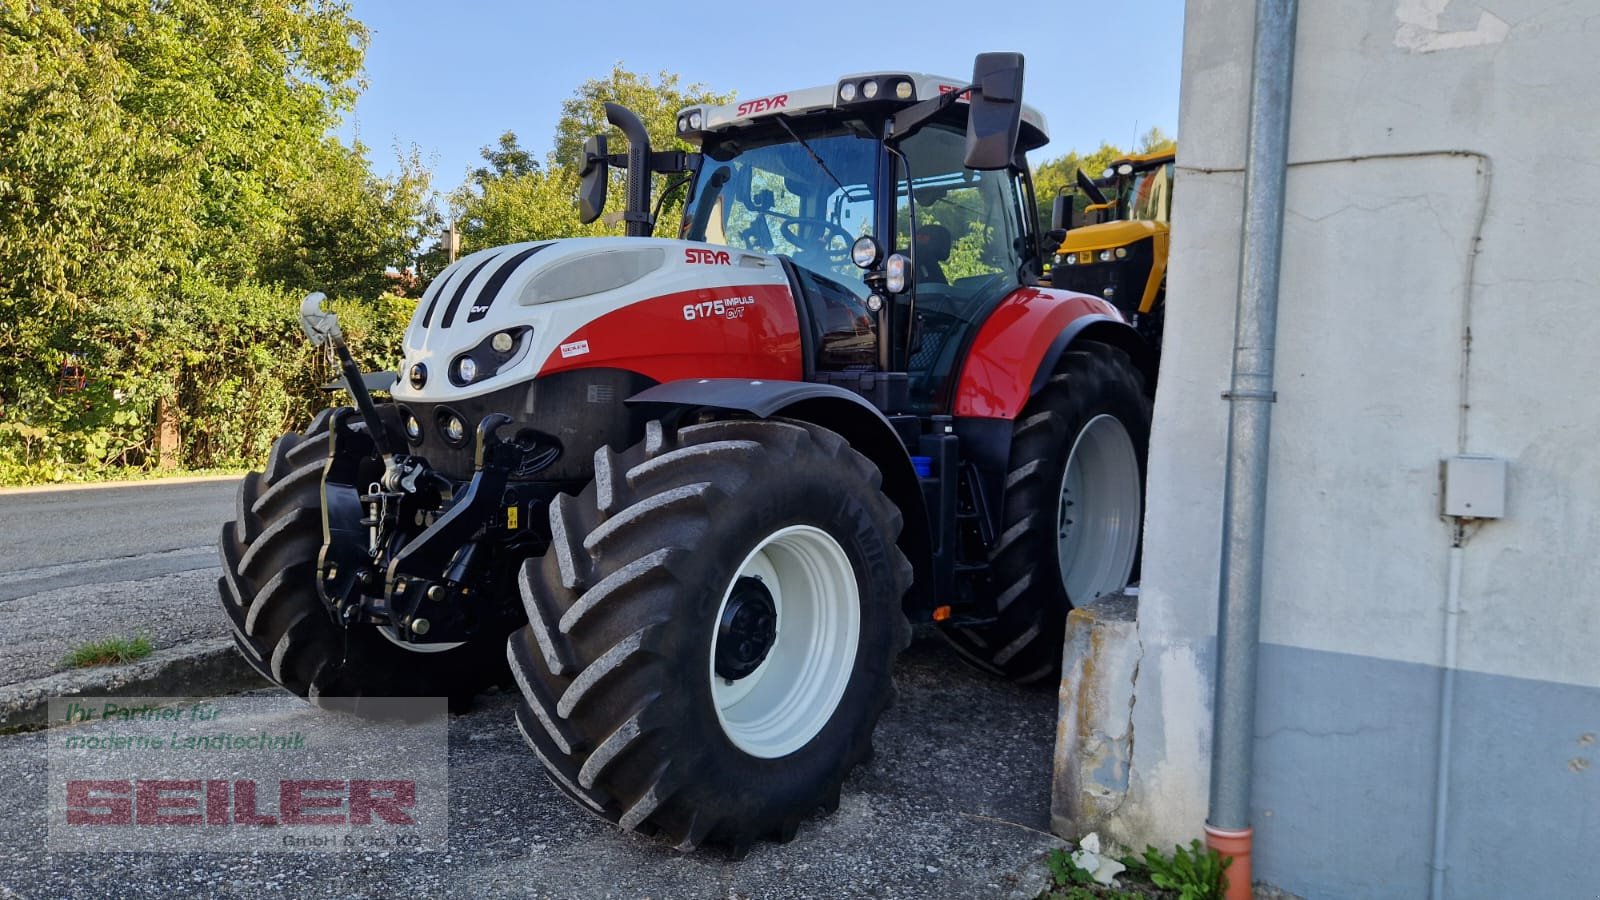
{"x": 706, "y": 257}
{"x": 99, "y": 803}
{"x": 244, "y": 805}
{"x": 150, "y": 799}
{"x": 293, "y": 802}
{"x": 389, "y": 799}
{"x": 765, "y": 104}
{"x": 216, "y": 803}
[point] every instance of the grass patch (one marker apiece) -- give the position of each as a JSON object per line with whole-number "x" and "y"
{"x": 108, "y": 652}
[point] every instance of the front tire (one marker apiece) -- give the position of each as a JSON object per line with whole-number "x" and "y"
{"x": 279, "y": 622}
{"x": 712, "y": 630}
{"x": 1073, "y": 509}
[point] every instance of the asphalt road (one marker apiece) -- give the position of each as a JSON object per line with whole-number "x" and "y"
{"x": 955, "y": 803}
{"x": 83, "y": 564}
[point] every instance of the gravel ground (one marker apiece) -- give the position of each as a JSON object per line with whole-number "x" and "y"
{"x": 954, "y": 804}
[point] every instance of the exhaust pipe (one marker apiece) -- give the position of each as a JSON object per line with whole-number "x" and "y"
{"x": 637, "y": 215}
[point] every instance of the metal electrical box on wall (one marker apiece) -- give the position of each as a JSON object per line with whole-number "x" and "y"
{"x": 1474, "y": 487}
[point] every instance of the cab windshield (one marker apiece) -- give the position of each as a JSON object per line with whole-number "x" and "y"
{"x": 1148, "y": 195}
{"x": 771, "y": 195}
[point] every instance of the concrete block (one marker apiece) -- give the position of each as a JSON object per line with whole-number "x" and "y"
{"x": 1094, "y": 733}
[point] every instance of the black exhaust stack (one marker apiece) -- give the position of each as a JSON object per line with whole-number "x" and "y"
{"x": 637, "y": 215}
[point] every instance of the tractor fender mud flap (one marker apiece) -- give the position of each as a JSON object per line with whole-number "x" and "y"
{"x": 852, "y": 417}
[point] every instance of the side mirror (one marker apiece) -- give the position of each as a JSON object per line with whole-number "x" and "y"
{"x": 995, "y": 117}
{"x": 595, "y": 171}
{"x": 1058, "y": 213}
{"x": 1054, "y": 237}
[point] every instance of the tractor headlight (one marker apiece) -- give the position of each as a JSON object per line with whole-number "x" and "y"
{"x": 1122, "y": 253}
{"x": 694, "y": 120}
{"x": 1105, "y": 256}
{"x": 502, "y": 342}
{"x": 869, "y": 89}
{"x": 902, "y": 90}
{"x": 413, "y": 428}
{"x": 847, "y": 91}
{"x": 466, "y": 370}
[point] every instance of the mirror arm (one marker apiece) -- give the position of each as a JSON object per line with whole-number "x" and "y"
{"x": 911, "y": 119}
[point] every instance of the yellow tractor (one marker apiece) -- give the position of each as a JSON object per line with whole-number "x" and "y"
{"x": 1116, "y": 248}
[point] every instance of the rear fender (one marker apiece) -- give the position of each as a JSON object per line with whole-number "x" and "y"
{"x": 848, "y": 415}
{"x": 1019, "y": 344}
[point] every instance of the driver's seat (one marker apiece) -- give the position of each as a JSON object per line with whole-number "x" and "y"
{"x": 933, "y": 248}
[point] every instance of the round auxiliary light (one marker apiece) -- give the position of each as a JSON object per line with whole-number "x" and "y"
{"x": 467, "y": 369}
{"x": 1125, "y": 169}
{"x": 455, "y": 431}
{"x": 869, "y": 89}
{"x": 874, "y": 303}
{"x": 1122, "y": 253}
{"x": 847, "y": 92}
{"x": 864, "y": 252}
{"x": 413, "y": 427}
{"x": 683, "y": 123}
{"x": 502, "y": 342}
{"x": 418, "y": 376}
{"x": 695, "y": 120}
{"x": 902, "y": 90}
{"x": 1105, "y": 256}
{"x": 1070, "y": 259}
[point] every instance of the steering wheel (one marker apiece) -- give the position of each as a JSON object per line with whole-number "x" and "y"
{"x": 818, "y": 235}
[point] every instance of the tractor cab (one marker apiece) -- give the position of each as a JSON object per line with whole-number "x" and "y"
{"x": 896, "y": 243}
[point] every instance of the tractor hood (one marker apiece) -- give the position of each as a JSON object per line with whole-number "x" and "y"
{"x": 663, "y": 308}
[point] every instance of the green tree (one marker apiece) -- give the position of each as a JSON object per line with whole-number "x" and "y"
{"x": 1060, "y": 175}
{"x": 1157, "y": 141}
{"x": 512, "y": 198}
{"x": 156, "y": 158}
{"x": 350, "y": 233}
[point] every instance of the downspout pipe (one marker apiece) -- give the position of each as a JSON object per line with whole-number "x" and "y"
{"x": 1250, "y": 397}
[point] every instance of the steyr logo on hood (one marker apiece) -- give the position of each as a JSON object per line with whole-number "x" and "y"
{"x": 706, "y": 257}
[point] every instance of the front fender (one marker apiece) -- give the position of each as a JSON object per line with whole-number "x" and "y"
{"x": 849, "y": 415}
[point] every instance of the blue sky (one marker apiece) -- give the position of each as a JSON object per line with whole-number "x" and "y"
{"x": 450, "y": 77}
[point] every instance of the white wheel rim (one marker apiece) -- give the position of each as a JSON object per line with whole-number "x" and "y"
{"x": 1097, "y": 519}
{"x": 791, "y": 695}
{"x": 389, "y": 632}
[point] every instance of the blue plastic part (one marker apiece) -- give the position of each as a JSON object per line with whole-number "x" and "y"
{"x": 923, "y": 465}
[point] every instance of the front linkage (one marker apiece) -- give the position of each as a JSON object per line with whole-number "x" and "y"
{"x": 429, "y": 559}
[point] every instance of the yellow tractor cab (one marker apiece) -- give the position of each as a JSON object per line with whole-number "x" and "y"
{"x": 1116, "y": 248}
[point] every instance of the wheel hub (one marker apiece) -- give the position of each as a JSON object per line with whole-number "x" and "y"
{"x": 747, "y": 630}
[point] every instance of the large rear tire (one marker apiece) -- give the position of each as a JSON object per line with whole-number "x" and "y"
{"x": 712, "y": 630}
{"x": 1073, "y": 509}
{"x": 279, "y": 622}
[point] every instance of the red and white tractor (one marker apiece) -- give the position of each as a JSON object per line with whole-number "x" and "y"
{"x": 697, "y": 489}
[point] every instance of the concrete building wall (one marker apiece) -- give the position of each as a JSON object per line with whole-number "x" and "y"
{"x": 1444, "y": 182}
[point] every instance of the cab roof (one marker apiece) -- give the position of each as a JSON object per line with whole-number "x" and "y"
{"x": 891, "y": 90}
